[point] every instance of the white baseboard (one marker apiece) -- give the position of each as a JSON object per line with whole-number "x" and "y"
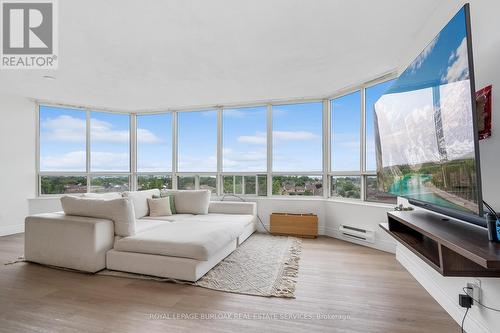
{"x": 11, "y": 229}
{"x": 379, "y": 244}
{"x": 428, "y": 280}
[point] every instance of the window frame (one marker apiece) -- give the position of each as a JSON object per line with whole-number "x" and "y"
{"x": 87, "y": 173}
{"x": 133, "y": 174}
{"x": 363, "y": 172}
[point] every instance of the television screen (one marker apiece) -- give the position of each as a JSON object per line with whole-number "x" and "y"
{"x": 426, "y": 139}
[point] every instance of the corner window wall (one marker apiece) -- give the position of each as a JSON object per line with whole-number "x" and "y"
{"x": 322, "y": 148}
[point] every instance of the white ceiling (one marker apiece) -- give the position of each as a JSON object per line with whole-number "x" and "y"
{"x": 139, "y": 55}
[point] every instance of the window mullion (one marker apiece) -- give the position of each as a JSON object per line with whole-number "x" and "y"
{"x": 326, "y": 145}
{"x": 219, "y": 148}
{"x": 269, "y": 150}
{"x": 174, "y": 150}
{"x": 88, "y": 151}
{"x": 133, "y": 152}
{"x": 363, "y": 143}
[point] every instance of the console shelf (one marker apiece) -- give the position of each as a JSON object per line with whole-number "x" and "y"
{"x": 451, "y": 247}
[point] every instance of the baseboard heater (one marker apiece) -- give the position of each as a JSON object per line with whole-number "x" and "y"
{"x": 357, "y": 233}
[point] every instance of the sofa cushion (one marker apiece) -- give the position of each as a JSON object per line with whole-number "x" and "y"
{"x": 159, "y": 207}
{"x": 105, "y": 196}
{"x": 120, "y": 211}
{"x": 191, "y": 201}
{"x": 184, "y": 239}
{"x": 236, "y": 219}
{"x": 143, "y": 225}
{"x": 139, "y": 199}
{"x": 168, "y": 218}
{"x": 232, "y": 207}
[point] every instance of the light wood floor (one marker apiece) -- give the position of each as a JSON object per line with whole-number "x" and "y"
{"x": 335, "y": 278}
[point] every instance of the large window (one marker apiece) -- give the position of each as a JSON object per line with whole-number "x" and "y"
{"x": 297, "y": 137}
{"x": 245, "y": 139}
{"x": 109, "y": 142}
{"x": 154, "y": 143}
{"x": 69, "y": 165}
{"x": 345, "y": 133}
{"x": 197, "y": 141}
{"x": 296, "y": 149}
{"x": 62, "y": 139}
{"x": 373, "y": 93}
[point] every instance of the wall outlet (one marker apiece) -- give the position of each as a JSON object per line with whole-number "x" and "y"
{"x": 475, "y": 285}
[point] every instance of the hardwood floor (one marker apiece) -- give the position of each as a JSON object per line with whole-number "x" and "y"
{"x": 335, "y": 278}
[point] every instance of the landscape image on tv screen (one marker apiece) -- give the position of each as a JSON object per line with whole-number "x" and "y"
{"x": 424, "y": 127}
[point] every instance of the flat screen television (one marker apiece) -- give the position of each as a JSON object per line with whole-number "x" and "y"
{"x": 425, "y": 128}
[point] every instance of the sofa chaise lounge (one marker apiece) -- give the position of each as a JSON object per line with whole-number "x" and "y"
{"x": 115, "y": 231}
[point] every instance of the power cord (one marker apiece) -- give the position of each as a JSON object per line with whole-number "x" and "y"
{"x": 243, "y": 200}
{"x": 463, "y": 319}
{"x": 492, "y": 211}
{"x": 475, "y": 300}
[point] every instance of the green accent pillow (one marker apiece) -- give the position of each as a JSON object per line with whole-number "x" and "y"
{"x": 172, "y": 203}
{"x": 171, "y": 199}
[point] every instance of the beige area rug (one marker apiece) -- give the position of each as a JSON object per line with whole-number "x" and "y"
{"x": 264, "y": 265}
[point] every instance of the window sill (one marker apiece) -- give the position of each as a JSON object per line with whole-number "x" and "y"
{"x": 271, "y": 198}
{"x": 298, "y": 198}
{"x": 360, "y": 202}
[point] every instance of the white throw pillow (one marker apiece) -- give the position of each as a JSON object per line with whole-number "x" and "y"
{"x": 159, "y": 207}
{"x": 140, "y": 201}
{"x": 191, "y": 201}
{"x": 120, "y": 211}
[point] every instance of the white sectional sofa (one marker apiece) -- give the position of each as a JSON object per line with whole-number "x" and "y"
{"x": 115, "y": 231}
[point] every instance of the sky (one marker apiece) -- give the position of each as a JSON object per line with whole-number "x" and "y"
{"x": 245, "y": 139}
{"x": 438, "y": 79}
{"x": 345, "y": 137}
{"x": 297, "y": 137}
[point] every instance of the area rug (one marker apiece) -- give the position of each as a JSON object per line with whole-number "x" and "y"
{"x": 264, "y": 265}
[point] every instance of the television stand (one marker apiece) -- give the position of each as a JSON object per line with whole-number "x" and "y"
{"x": 450, "y": 246}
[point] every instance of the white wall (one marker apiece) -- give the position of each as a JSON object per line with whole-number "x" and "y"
{"x": 17, "y": 167}
{"x": 486, "y": 51}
